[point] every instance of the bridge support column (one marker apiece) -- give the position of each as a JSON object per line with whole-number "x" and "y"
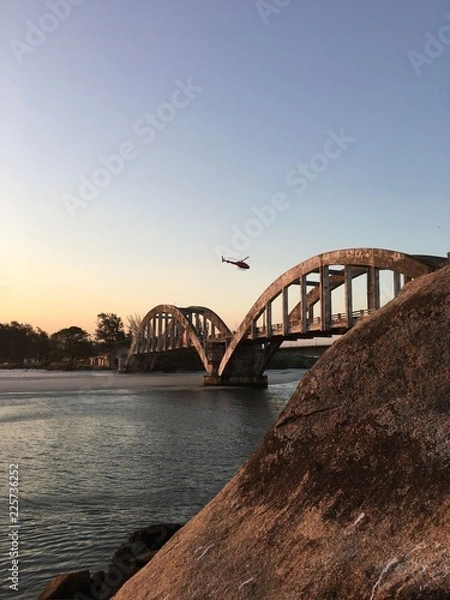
{"x": 397, "y": 283}
{"x": 285, "y": 300}
{"x": 348, "y": 295}
{"x": 325, "y": 298}
{"x": 373, "y": 288}
{"x": 254, "y": 381}
{"x": 304, "y": 304}
{"x": 269, "y": 319}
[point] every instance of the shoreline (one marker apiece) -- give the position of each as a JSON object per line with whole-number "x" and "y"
{"x": 29, "y": 381}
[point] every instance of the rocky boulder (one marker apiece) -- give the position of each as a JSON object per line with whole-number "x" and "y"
{"x": 67, "y": 585}
{"x": 348, "y": 497}
{"x": 141, "y": 547}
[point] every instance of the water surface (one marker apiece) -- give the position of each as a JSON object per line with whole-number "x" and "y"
{"x": 101, "y": 455}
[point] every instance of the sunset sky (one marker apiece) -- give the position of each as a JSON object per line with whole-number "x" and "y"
{"x": 141, "y": 140}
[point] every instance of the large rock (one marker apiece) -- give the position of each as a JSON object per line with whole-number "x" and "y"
{"x": 67, "y": 585}
{"x": 348, "y": 496}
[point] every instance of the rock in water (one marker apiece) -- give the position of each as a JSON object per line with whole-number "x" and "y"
{"x": 348, "y": 497}
{"x": 67, "y": 585}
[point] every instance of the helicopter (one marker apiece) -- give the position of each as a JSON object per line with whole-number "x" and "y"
{"x": 240, "y": 264}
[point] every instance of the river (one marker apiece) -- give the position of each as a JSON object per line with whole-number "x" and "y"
{"x": 102, "y": 454}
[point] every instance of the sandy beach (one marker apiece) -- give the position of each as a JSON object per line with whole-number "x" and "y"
{"x": 61, "y": 381}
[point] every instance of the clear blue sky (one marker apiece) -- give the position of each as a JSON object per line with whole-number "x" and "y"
{"x": 218, "y": 108}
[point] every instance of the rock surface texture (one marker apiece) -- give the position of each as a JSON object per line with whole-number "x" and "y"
{"x": 348, "y": 496}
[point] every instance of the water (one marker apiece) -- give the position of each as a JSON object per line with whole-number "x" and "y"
{"x": 101, "y": 455}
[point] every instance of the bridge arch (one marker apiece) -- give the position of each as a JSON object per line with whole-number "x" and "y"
{"x": 168, "y": 327}
{"x": 354, "y": 262}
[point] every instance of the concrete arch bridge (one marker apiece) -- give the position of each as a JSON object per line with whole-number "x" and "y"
{"x": 322, "y": 296}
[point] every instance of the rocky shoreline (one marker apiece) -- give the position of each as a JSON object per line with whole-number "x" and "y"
{"x": 126, "y": 561}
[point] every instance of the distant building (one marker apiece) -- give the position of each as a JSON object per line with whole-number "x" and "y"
{"x": 108, "y": 360}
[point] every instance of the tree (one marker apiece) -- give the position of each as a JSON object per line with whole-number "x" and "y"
{"x": 133, "y": 323}
{"x": 41, "y": 344}
{"x": 110, "y": 332}
{"x": 72, "y": 343}
{"x": 19, "y": 342}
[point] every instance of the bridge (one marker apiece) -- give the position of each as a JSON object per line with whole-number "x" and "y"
{"x": 325, "y": 295}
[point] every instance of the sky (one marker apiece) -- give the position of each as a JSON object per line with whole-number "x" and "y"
{"x": 143, "y": 139}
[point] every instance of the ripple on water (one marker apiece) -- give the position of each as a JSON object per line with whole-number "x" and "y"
{"x": 96, "y": 466}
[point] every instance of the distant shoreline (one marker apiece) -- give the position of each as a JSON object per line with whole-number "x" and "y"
{"x": 29, "y": 381}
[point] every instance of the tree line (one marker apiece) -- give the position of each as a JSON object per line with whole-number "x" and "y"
{"x": 23, "y": 344}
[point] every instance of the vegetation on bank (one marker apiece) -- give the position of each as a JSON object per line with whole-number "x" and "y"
{"x": 22, "y": 345}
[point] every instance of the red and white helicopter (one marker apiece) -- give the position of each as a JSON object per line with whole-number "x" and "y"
{"x": 240, "y": 264}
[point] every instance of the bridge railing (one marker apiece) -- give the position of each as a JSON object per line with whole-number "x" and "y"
{"x": 338, "y": 320}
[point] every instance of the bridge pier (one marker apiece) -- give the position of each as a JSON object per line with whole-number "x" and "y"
{"x": 254, "y": 381}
